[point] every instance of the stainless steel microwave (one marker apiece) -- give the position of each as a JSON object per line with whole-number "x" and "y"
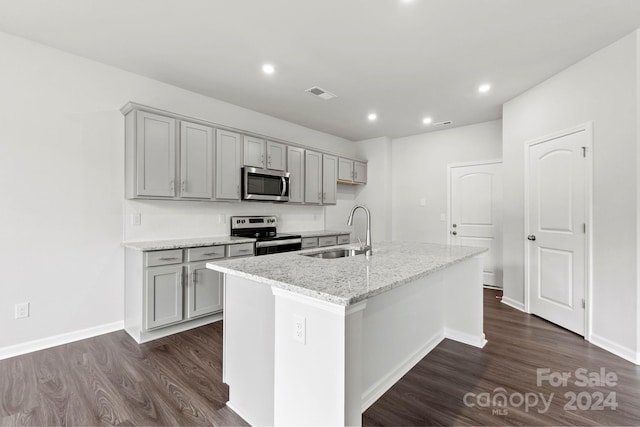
{"x": 265, "y": 185}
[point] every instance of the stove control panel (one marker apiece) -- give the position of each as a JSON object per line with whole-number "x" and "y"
{"x": 238, "y": 222}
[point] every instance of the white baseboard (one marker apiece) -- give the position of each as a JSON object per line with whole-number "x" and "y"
{"x": 513, "y": 303}
{"x": 464, "y": 338}
{"x": 374, "y": 392}
{"x": 41, "y": 344}
{"x": 615, "y": 348}
{"x": 240, "y": 412}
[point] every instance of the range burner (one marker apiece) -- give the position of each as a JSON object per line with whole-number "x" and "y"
{"x": 264, "y": 230}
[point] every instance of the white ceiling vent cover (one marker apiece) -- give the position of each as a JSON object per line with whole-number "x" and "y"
{"x": 321, "y": 93}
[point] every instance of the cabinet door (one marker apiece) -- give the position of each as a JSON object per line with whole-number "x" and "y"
{"x": 329, "y": 179}
{"x": 312, "y": 177}
{"x": 196, "y": 161}
{"x": 254, "y": 152}
{"x": 360, "y": 172}
{"x": 228, "y": 165}
{"x": 345, "y": 170}
{"x": 295, "y": 166}
{"x": 276, "y": 156}
{"x": 204, "y": 294}
{"x": 155, "y": 155}
{"x": 163, "y": 296}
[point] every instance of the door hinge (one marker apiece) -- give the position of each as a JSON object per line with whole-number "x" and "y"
{"x": 584, "y": 151}
{"x": 583, "y": 303}
{"x": 584, "y": 228}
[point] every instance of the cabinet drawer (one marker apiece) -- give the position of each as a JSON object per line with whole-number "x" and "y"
{"x": 154, "y": 258}
{"x": 344, "y": 239}
{"x": 204, "y": 253}
{"x": 327, "y": 241}
{"x": 243, "y": 249}
{"x": 309, "y": 242}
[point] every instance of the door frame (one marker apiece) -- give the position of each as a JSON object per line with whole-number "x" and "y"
{"x": 587, "y": 128}
{"x": 458, "y": 165}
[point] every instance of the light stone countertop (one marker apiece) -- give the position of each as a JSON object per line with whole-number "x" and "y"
{"x": 346, "y": 281}
{"x": 154, "y": 245}
{"x": 320, "y": 233}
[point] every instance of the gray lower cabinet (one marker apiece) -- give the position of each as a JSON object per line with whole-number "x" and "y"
{"x": 162, "y": 296}
{"x": 204, "y": 290}
{"x": 327, "y": 240}
{"x": 169, "y": 291}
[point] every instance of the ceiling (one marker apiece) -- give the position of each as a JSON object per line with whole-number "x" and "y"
{"x": 403, "y": 60}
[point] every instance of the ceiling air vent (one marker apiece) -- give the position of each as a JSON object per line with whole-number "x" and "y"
{"x": 321, "y": 93}
{"x": 446, "y": 123}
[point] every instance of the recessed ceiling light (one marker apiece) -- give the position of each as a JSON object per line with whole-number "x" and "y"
{"x": 484, "y": 88}
{"x": 407, "y": 1}
{"x": 427, "y": 120}
{"x": 268, "y": 69}
{"x": 372, "y": 117}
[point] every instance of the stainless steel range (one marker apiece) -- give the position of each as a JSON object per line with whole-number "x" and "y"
{"x": 264, "y": 230}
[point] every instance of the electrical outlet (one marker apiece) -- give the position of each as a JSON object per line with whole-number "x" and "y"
{"x": 300, "y": 329}
{"x": 22, "y": 310}
{"x": 136, "y": 219}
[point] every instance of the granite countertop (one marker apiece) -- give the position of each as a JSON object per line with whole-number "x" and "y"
{"x": 321, "y": 233}
{"x": 346, "y": 281}
{"x": 154, "y": 245}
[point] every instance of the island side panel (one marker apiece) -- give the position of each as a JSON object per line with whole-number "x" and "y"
{"x": 318, "y": 381}
{"x": 249, "y": 349}
{"x": 400, "y": 328}
{"x": 464, "y": 302}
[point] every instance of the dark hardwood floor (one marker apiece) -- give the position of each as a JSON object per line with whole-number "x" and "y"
{"x": 111, "y": 380}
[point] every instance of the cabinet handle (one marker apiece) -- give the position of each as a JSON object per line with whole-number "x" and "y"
{"x": 184, "y": 186}
{"x": 238, "y": 190}
{"x": 195, "y": 276}
{"x": 262, "y": 159}
{"x": 168, "y": 258}
{"x": 245, "y": 250}
{"x": 324, "y": 196}
{"x": 172, "y": 184}
{"x": 211, "y": 253}
{"x": 269, "y": 160}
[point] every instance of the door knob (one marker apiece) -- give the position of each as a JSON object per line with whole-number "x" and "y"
{"x": 455, "y": 225}
{"x": 531, "y": 237}
{"x": 455, "y": 233}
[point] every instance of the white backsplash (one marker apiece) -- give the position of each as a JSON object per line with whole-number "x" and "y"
{"x": 166, "y": 219}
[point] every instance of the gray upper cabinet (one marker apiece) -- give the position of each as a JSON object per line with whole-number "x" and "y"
{"x": 313, "y": 177}
{"x": 352, "y": 171}
{"x": 163, "y": 295}
{"x": 329, "y": 179}
{"x": 196, "y": 161}
{"x": 254, "y": 152}
{"x": 204, "y": 294}
{"x": 228, "y": 164}
{"x": 155, "y": 155}
{"x": 359, "y": 172}
{"x": 345, "y": 170}
{"x": 259, "y": 153}
{"x": 295, "y": 167}
{"x": 276, "y": 156}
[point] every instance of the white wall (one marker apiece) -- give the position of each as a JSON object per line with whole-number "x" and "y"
{"x": 419, "y": 171}
{"x": 602, "y": 88}
{"x": 62, "y": 168}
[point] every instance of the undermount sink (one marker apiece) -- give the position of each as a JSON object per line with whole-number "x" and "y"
{"x": 338, "y": 253}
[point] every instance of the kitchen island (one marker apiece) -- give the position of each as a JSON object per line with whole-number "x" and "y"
{"x": 312, "y": 341}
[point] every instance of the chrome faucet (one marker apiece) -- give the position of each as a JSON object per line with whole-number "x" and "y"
{"x": 367, "y": 246}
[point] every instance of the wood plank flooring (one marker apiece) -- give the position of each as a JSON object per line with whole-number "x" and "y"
{"x": 177, "y": 381}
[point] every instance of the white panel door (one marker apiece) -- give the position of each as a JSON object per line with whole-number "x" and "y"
{"x": 557, "y": 230}
{"x": 196, "y": 161}
{"x": 228, "y": 164}
{"x": 476, "y": 214}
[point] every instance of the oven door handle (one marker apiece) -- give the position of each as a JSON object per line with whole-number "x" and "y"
{"x": 277, "y": 243}
{"x": 284, "y": 186}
